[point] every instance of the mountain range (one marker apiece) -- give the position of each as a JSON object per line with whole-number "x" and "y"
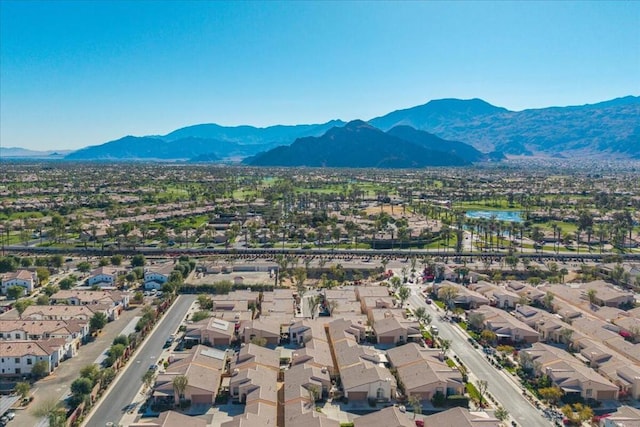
{"x": 360, "y": 145}
{"x": 17, "y": 152}
{"x": 606, "y": 130}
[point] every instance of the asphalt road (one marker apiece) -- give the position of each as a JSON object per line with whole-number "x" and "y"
{"x": 508, "y": 394}
{"x": 115, "y": 403}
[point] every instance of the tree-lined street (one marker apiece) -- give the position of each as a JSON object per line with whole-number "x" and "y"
{"x": 508, "y": 394}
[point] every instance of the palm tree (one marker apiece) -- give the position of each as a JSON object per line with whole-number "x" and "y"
{"x": 591, "y": 294}
{"x": 445, "y": 345}
{"x": 415, "y": 403}
{"x": 180, "y": 384}
{"x": 403, "y": 293}
{"x": 314, "y": 303}
{"x": 422, "y": 315}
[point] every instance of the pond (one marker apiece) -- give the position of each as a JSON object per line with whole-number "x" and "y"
{"x": 511, "y": 216}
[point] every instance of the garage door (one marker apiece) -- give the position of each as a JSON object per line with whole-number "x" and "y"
{"x": 357, "y": 395}
{"x": 201, "y": 398}
{"x": 386, "y": 340}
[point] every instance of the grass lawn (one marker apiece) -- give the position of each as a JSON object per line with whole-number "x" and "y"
{"x": 439, "y": 304}
{"x": 502, "y": 205}
{"x": 451, "y": 363}
{"x": 473, "y": 391}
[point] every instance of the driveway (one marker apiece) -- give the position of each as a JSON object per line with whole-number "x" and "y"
{"x": 57, "y": 385}
{"x": 504, "y": 389}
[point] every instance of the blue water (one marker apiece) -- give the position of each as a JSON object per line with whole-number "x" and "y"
{"x": 512, "y": 216}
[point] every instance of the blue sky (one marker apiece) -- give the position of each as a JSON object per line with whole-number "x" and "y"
{"x": 82, "y": 73}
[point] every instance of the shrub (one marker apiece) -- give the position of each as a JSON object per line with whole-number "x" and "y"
{"x": 457, "y": 400}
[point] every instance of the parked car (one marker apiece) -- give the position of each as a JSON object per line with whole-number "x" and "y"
{"x": 153, "y": 367}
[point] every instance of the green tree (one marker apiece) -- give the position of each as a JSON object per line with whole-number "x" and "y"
{"x": 422, "y": 315}
{"x": 66, "y": 283}
{"x": 592, "y": 295}
{"x": 205, "y": 302}
{"x": 403, "y": 294}
{"x": 116, "y": 260}
{"x": 551, "y": 394}
{"x": 501, "y": 414}
{"x": 448, "y": 294}
{"x": 476, "y": 320}
{"x": 121, "y": 339}
{"x": 81, "y": 386}
{"x": 42, "y": 300}
{"x": 445, "y": 345}
{"x": 416, "y": 405}
{"x": 92, "y": 372}
{"x": 116, "y": 351}
{"x": 15, "y": 292}
{"x": 40, "y": 369}
{"x": 148, "y": 379}
{"x": 200, "y": 315}
{"x": 180, "y": 384}
{"x": 138, "y": 297}
{"x": 84, "y": 267}
{"x": 43, "y": 275}
{"x": 22, "y": 304}
{"x": 300, "y": 276}
{"x": 98, "y": 321}
{"x": 395, "y": 282}
{"x": 138, "y": 260}
{"x": 548, "y": 301}
{"x": 50, "y": 290}
{"x": 52, "y": 409}
{"x": 488, "y": 336}
{"x": 23, "y": 388}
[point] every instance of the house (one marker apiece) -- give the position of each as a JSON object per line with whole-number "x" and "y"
{"x": 103, "y": 277}
{"x": 73, "y": 332}
{"x": 254, "y": 385}
{"x": 316, "y": 353}
{"x": 603, "y": 294}
{"x": 265, "y": 327}
{"x": 461, "y": 417}
{"x": 624, "y": 416}
{"x": 203, "y": 367}
{"x": 252, "y": 355}
{"x": 312, "y": 418}
{"x": 59, "y": 312}
{"x": 212, "y": 331}
{"x": 499, "y": 296}
{"x": 24, "y": 278}
{"x": 155, "y": 276}
{"x": 465, "y": 298}
{"x": 118, "y": 299}
{"x": 366, "y": 381}
{"x": 505, "y": 326}
{"x": 170, "y": 419}
{"x": 391, "y": 331}
{"x": 303, "y": 385}
{"x": 570, "y": 374}
{"x": 361, "y": 369}
{"x": 18, "y": 357}
{"x": 423, "y": 372}
{"x": 387, "y": 417}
